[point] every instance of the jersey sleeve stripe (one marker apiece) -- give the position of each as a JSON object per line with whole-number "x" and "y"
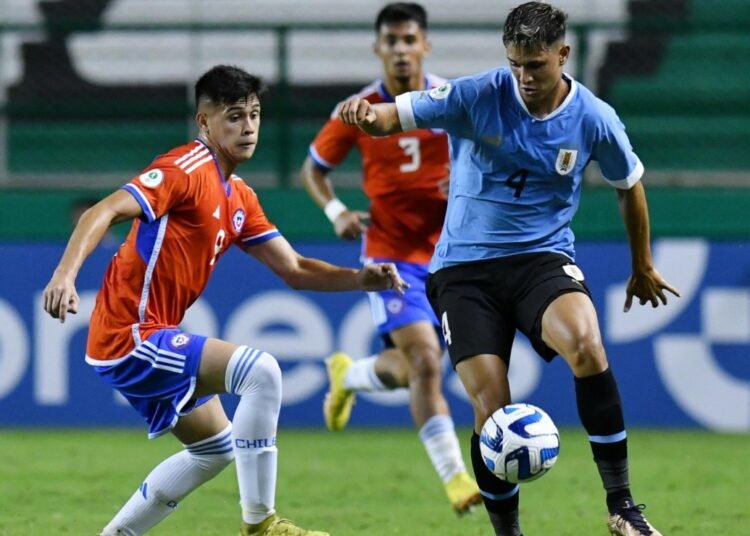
{"x": 141, "y": 199}
{"x": 260, "y": 238}
{"x": 629, "y": 181}
{"x": 319, "y": 160}
{"x": 405, "y": 112}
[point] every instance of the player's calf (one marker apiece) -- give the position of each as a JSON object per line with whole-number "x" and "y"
{"x": 170, "y": 482}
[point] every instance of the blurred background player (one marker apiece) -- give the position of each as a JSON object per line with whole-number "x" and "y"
{"x": 516, "y": 176}
{"x": 189, "y": 208}
{"x": 406, "y": 181}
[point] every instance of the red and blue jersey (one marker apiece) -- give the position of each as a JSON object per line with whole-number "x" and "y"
{"x": 191, "y": 215}
{"x": 400, "y": 178}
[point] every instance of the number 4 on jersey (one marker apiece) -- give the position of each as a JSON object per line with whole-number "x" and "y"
{"x": 517, "y": 181}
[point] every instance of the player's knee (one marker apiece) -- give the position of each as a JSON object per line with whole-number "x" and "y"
{"x": 486, "y": 402}
{"x": 251, "y": 371}
{"x": 586, "y": 352}
{"x": 424, "y": 364}
{"x": 213, "y": 454}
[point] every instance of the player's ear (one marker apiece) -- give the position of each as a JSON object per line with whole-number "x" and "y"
{"x": 564, "y": 54}
{"x": 427, "y": 46}
{"x": 201, "y": 119}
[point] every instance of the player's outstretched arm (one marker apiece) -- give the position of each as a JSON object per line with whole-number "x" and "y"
{"x": 347, "y": 224}
{"x": 303, "y": 273}
{"x": 645, "y": 283}
{"x": 374, "y": 119}
{"x": 60, "y": 296}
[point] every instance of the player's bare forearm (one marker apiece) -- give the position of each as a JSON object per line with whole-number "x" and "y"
{"x": 316, "y": 182}
{"x": 315, "y": 274}
{"x": 303, "y": 273}
{"x": 93, "y": 225}
{"x": 634, "y": 211}
{"x": 60, "y": 296}
{"x": 347, "y": 224}
{"x": 645, "y": 283}
{"x": 374, "y": 119}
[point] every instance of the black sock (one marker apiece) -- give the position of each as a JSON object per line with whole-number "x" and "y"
{"x": 600, "y": 410}
{"x": 500, "y": 497}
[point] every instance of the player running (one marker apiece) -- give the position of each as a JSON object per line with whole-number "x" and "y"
{"x": 405, "y": 179}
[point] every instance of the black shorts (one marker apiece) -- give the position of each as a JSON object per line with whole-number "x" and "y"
{"x": 481, "y": 304}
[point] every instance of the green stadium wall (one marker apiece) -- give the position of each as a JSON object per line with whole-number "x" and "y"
{"x": 719, "y": 214}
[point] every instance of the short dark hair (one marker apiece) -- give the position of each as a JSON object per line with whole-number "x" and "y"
{"x": 401, "y": 12}
{"x": 534, "y": 25}
{"x": 227, "y": 84}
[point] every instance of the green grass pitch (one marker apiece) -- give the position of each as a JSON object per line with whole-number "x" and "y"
{"x": 369, "y": 482}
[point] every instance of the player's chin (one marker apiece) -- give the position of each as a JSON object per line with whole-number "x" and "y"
{"x": 245, "y": 151}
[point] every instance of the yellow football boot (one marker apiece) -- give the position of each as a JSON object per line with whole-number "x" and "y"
{"x": 276, "y": 526}
{"x": 337, "y": 406}
{"x": 463, "y": 493}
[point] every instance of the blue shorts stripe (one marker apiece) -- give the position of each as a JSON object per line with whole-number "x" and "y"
{"x": 614, "y": 438}
{"x": 500, "y": 496}
{"x": 158, "y": 379}
{"x": 159, "y": 359}
{"x": 165, "y": 354}
{"x": 154, "y": 363}
{"x": 177, "y": 366}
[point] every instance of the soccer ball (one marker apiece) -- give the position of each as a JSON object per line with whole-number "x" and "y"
{"x": 519, "y": 443}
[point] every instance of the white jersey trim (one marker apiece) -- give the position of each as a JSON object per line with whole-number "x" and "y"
{"x": 143, "y": 198}
{"x": 150, "y": 269}
{"x": 322, "y": 162}
{"x": 628, "y": 182}
{"x": 197, "y": 156}
{"x": 557, "y": 111}
{"x": 105, "y": 363}
{"x": 405, "y": 112}
{"x": 189, "y": 155}
{"x": 199, "y": 163}
{"x": 254, "y": 237}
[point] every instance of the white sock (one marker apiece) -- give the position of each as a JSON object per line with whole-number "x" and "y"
{"x": 256, "y": 377}
{"x": 361, "y": 376}
{"x": 170, "y": 482}
{"x": 439, "y": 438}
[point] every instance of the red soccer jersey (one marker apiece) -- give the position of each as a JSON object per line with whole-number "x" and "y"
{"x": 191, "y": 216}
{"x": 401, "y": 173}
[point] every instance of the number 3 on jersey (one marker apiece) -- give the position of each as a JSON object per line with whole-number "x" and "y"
{"x": 411, "y": 148}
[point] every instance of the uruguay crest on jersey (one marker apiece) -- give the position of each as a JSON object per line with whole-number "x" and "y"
{"x": 566, "y": 161}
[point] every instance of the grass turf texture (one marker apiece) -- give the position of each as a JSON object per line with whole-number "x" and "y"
{"x": 368, "y": 482}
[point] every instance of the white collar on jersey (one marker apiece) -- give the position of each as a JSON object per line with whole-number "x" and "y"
{"x": 556, "y": 111}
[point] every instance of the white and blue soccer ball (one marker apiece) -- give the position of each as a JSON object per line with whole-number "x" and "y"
{"x": 519, "y": 443}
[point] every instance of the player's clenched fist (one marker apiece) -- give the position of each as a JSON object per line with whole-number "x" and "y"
{"x": 381, "y": 276}
{"x": 356, "y": 111}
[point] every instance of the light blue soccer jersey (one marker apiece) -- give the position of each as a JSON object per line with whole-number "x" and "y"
{"x": 516, "y": 179}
